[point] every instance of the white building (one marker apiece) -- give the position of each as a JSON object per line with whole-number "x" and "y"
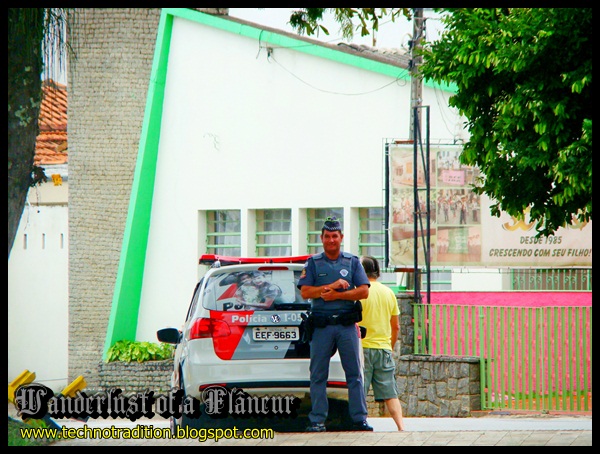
{"x": 38, "y": 295}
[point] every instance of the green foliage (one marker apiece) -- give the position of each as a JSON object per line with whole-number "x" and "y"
{"x": 524, "y": 82}
{"x": 306, "y": 20}
{"x": 125, "y": 350}
{"x": 14, "y": 433}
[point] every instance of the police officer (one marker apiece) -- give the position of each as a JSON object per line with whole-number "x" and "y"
{"x": 335, "y": 281}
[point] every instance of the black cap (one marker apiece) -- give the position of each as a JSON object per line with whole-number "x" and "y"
{"x": 332, "y": 224}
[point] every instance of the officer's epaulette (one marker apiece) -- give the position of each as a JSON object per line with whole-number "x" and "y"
{"x": 321, "y": 255}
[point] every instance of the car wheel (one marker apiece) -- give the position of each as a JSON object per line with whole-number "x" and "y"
{"x": 175, "y": 423}
{"x": 184, "y": 420}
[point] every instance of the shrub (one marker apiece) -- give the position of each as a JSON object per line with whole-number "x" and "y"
{"x": 125, "y": 350}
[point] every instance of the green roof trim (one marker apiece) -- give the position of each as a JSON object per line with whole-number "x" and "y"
{"x": 123, "y": 319}
{"x": 280, "y": 40}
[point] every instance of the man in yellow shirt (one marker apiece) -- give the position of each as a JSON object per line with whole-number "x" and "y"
{"x": 380, "y": 317}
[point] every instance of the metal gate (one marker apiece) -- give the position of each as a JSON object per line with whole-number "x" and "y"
{"x": 532, "y": 358}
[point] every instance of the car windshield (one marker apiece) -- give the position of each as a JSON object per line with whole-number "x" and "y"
{"x": 252, "y": 290}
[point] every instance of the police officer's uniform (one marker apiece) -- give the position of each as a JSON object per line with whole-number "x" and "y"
{"x": 335, "y": 327}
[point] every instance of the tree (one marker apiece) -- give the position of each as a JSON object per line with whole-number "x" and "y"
{"x": 33, "y": 33}
{"x": 306, "y": 20}
{"x": 523, "y": 80}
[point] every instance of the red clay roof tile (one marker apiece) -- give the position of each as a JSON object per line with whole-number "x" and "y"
{"x": 51, "y": 143}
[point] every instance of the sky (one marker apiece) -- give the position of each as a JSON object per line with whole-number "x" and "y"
{"x": 390, "y": 35}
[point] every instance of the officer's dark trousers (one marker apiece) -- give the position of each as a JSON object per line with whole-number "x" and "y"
{"x": 349, "y": 347}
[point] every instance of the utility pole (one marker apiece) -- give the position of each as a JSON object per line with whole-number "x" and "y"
{"x": 419, "y": 144}
{"x": 416, "y": 87}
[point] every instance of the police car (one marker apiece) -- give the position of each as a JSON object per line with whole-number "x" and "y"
{"x": 244, "y": 331}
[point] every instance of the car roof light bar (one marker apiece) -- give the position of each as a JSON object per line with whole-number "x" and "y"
{"x": 223, "y": 260}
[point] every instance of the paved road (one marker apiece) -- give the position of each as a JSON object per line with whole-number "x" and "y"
{"x": 490, "y": 430}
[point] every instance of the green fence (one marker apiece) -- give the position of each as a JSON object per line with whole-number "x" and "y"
{"x": 532, "y": 358}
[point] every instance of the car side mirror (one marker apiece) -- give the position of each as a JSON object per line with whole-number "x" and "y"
{"x": 169, "y": 335}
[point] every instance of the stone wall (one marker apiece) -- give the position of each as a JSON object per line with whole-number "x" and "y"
{"x": 109, "y": 72}
{"x": 440, "y": 386}
{"x": 405, "y": 346}
{"x": 134, "y": 377}
{"x": 428, "y": 385}
{"x": 434, "y": 386}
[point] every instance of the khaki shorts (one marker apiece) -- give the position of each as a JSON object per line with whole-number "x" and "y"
{"x": 380, "y": 373}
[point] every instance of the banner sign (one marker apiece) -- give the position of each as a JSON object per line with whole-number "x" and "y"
{"x": 462, "y": 230}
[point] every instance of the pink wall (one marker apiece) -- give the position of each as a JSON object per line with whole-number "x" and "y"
{"x": 519, "y": 299}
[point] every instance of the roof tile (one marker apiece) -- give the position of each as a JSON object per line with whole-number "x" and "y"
{"x": 51, "y": 142}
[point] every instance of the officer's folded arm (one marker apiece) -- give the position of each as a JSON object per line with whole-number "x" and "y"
{"x": 323, "y": 291}
{"x": 309, "y": 291}
{"x": 358, "y": 293}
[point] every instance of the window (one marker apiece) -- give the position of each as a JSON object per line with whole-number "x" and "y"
{"x": 316, "y": 218}
{"x": 371, "y": 241}
{"x": 551, "y": 279}
{"x": 441, "y": 280}
{"x": 223, "y": 229}
{"x": 371, "y": 235}
{"x": 254, "y": 289}
{"x": 273, "y": 232}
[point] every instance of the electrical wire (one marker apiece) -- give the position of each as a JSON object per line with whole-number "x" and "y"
{"x": 395, "y": 81}
{"x": 443, "y": 109}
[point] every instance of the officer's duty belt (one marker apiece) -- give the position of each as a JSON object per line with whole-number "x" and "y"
{"x": 320, "y": 321}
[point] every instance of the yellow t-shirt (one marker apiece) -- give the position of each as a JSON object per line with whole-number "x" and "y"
{"x": 378, "y": 309}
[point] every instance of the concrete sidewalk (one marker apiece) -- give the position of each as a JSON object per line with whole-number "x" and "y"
{"x": 488, "y": 430}
{"x": 487, "y": 423}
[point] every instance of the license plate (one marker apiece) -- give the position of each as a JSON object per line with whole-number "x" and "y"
{"x": 275, "y": 333}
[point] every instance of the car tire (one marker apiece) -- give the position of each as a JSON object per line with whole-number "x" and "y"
{"x": 184, "y": 420}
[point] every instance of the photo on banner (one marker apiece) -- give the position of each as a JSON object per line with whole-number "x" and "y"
{"x": 462, "y": 231}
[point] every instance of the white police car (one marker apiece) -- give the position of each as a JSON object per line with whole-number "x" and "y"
{"x": 244, "y": 331}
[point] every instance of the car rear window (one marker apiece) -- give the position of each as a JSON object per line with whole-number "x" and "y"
{"x": 251, "y": 290}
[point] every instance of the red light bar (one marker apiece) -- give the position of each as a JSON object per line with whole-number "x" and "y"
{"x": 209, "y": 259}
